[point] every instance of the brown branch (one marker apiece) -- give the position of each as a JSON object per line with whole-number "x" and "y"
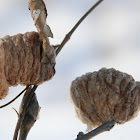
{"x": 104, "y": 127}
{"x": 24, "y": 105}
{"x": 67, "y": 37}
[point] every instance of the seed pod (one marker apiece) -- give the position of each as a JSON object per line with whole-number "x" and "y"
{"x": 105, "y": 95}
{"x": 20, "y": 62}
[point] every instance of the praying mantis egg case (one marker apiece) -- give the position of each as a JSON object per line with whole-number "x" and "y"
{"x": 20, "y": 62}
{"x": 105, "y": 95}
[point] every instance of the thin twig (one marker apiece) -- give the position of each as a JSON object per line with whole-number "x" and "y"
{"x": 14, "y": 98}
{"x": 20, "y": 119}
{"x": 104, "y": 127}
{"x": 27, "y": 100}
{"x": 67, "y": 37}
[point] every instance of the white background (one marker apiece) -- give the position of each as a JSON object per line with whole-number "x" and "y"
{"x": 109, "y": 37}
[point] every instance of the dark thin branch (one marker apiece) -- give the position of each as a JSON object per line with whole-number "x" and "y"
{"x": 67, "y": 37}
{"x": 104, "y": 127}
{"x": 20, "y": 119}
{"x": 15, "y": 97}
{"x": 27, "y": 98}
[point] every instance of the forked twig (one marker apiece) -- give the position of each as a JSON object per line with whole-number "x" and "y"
{"x": 104, "y": 127}
{"x": 67, "y": 37}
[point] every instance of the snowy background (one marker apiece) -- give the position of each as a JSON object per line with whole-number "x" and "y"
{"x": 109, "y": 37}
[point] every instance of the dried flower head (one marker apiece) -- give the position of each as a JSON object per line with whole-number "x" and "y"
{"x": 20, "y": 62}
{"x": 105, "y": 95}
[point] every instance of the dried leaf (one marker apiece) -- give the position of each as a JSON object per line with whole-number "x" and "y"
{"x": 30, "y": 116}
{"x": 39, "y": 15}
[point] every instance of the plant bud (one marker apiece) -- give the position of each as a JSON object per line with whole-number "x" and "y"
{"x": 105, "y": 95}
{"x": 20, "y": 62}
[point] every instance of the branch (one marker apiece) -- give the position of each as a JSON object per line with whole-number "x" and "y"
{"x": 15, "y": 97}
{"x": 24, "y": 105}
{"x": 104, "y": 127}
{"x": 67, "y": 37}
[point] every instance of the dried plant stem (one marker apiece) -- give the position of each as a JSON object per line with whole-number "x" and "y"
{"x": 104, "y": 127}
{"x": 67, "y": 37}
{"x": 27, "y": 100}
{"x": 20, "y": 119}
{"x": 15, "y": 97}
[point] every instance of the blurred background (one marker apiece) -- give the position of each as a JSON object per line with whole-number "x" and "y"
{"x": 108, "y": 37}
